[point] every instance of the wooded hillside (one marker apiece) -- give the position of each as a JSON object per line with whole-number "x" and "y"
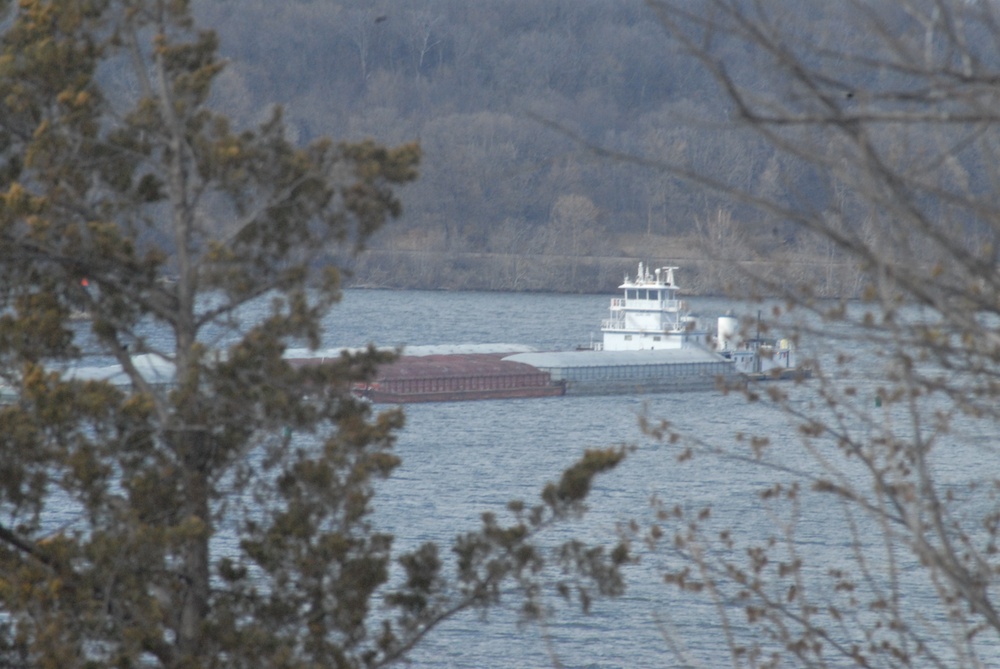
{"x": 504, "y": 96}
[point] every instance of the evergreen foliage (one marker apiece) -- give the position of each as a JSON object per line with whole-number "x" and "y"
{"x": 126, "y": 197}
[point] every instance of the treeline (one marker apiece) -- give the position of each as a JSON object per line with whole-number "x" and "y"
{"x": 507, "y": 98}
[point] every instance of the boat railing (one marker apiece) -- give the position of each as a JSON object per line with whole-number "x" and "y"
{"x": 665, "y": 305}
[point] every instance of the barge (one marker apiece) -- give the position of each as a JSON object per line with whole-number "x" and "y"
{"x": 649, "y": 344}
{"x": 433, "y": 377}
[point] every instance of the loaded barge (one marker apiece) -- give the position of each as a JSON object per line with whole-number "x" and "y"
{"x": 424, "y": 375}
{"x": 649, "y": 344}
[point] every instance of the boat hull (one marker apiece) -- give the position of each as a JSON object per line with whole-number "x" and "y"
{"x": 457, "y": 377}
{"x": 387, "y": 397}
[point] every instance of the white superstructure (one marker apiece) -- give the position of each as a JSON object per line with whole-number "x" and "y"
{"x": 649, "y": 315}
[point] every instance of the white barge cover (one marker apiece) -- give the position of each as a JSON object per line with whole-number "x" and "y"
{"x": 594, "y": 372}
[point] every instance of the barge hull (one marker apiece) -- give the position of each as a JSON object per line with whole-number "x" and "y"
{"x": 456, "y": 377}
{"x": 384, "y": 397}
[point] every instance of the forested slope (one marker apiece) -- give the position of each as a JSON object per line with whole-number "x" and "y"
{"x": 504, "y": 96}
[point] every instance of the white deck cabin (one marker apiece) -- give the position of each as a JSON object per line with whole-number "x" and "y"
{"x": 650, "y": 315}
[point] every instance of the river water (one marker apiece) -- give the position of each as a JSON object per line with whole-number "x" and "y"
{"x": 465, "y": 458}
{"x": 461, "y": 459}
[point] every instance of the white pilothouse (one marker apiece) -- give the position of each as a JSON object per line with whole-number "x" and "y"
{"x": 650, "y": 315}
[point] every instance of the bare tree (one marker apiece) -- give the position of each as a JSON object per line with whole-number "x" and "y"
{"x": 893, "y": 108}
{"x": 363, "y": 26}
{"x": 423, "y": 38}
{"x": 511, "y": 242}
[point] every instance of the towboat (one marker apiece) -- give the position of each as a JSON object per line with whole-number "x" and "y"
{"x": 649, "y": 344}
